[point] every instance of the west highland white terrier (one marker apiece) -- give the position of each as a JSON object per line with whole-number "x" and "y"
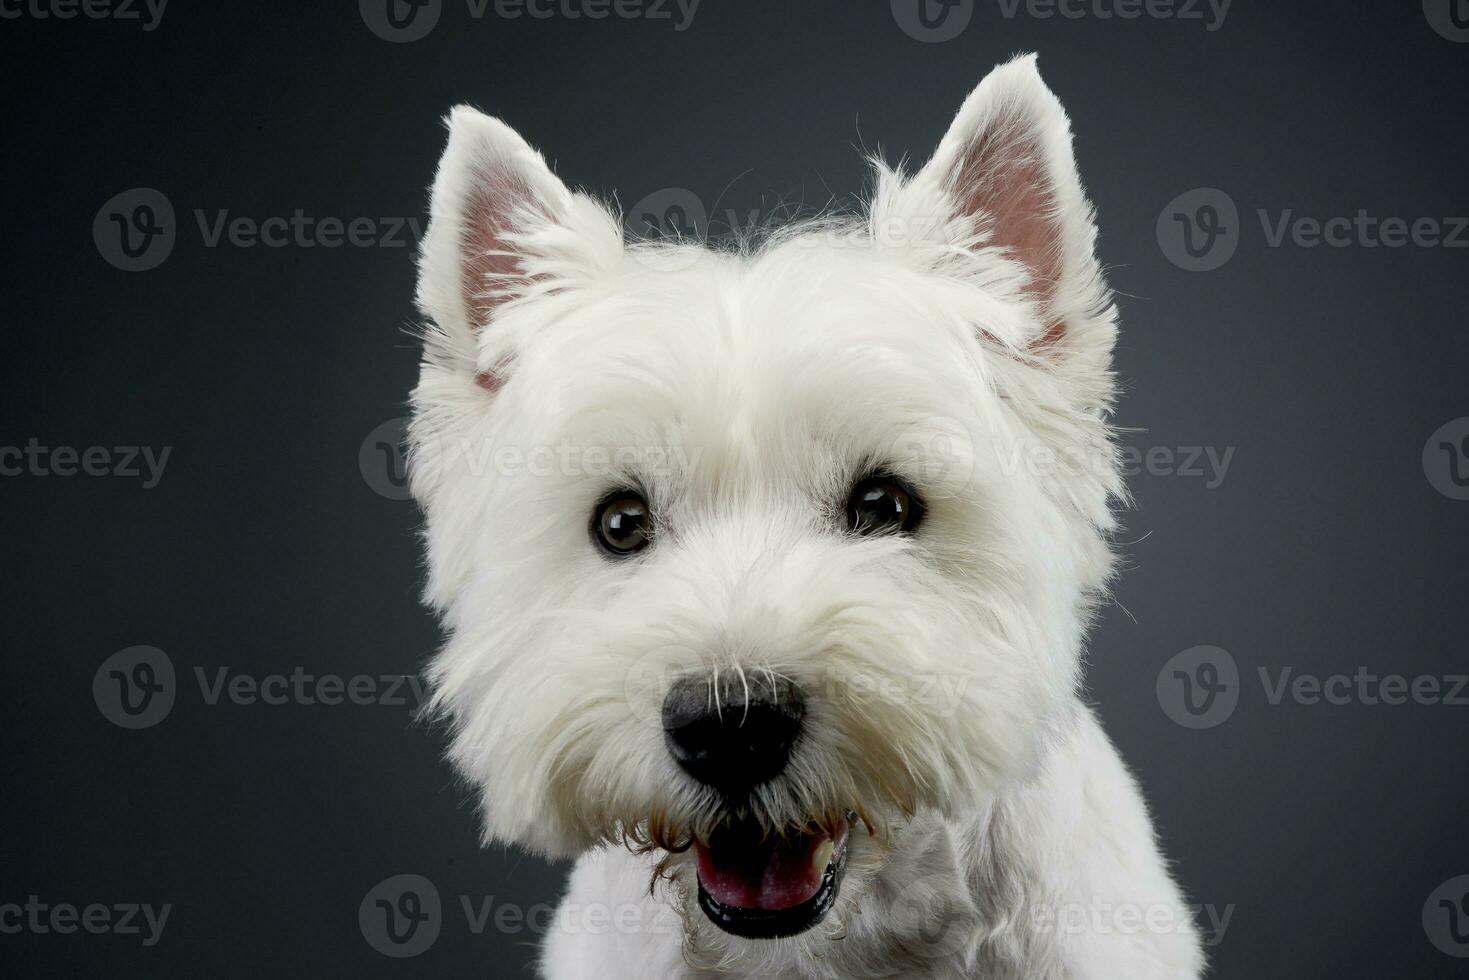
{"x": 766, "y": 570}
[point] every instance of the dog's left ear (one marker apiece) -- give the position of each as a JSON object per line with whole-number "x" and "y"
{"x": 1003, "y": 183}
{"x": 501, "y": 226}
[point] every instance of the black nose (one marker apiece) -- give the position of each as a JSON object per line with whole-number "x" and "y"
{"x": 739, "y": 739}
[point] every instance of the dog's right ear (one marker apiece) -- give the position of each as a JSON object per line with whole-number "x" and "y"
{"x": 497, "y": 230}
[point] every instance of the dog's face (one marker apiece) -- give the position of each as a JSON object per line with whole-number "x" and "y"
{"x": 763, "y": 552}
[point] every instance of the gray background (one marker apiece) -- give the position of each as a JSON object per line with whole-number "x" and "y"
{"x": 265, "y": 546}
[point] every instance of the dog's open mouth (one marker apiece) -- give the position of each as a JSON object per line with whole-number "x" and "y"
{"x": 761, "y": 886}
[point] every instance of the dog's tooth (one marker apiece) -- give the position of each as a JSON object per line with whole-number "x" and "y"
{"x": 821, "y": 857}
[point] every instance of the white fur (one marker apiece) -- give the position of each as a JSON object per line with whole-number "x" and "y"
{"x": 744, "y": 393}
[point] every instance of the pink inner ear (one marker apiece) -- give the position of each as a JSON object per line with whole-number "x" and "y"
{"x": 487, "y": 257}
{"x": 1002, "y": 179}
{"x": 492, "y": 381}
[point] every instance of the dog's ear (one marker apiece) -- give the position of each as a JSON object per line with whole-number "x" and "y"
{"x": 1004, "y": 182}
{"x": 500, "y": 224}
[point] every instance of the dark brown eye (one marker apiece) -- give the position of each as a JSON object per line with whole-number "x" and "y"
{"x": 621, "y": 524}
{"x": 883, "y": 504}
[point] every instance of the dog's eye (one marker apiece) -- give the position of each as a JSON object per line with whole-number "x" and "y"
{"x": 882, "y": 504}
{"x": 621, "y": 523}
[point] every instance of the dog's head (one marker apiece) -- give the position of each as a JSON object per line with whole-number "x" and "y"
{"x": 763, "y": 551}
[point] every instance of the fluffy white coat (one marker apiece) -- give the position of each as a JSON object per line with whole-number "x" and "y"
{"x": 958, "y": 334}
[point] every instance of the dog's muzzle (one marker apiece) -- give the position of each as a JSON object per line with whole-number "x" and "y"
{"x": 734, "y": 734}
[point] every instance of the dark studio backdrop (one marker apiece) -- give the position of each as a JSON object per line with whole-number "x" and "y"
{"x": 207, "y": 537}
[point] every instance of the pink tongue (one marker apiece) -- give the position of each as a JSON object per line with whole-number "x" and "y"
{"x": 772, "y": 874}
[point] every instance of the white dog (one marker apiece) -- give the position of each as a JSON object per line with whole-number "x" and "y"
{"x": 766, "y": 572}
